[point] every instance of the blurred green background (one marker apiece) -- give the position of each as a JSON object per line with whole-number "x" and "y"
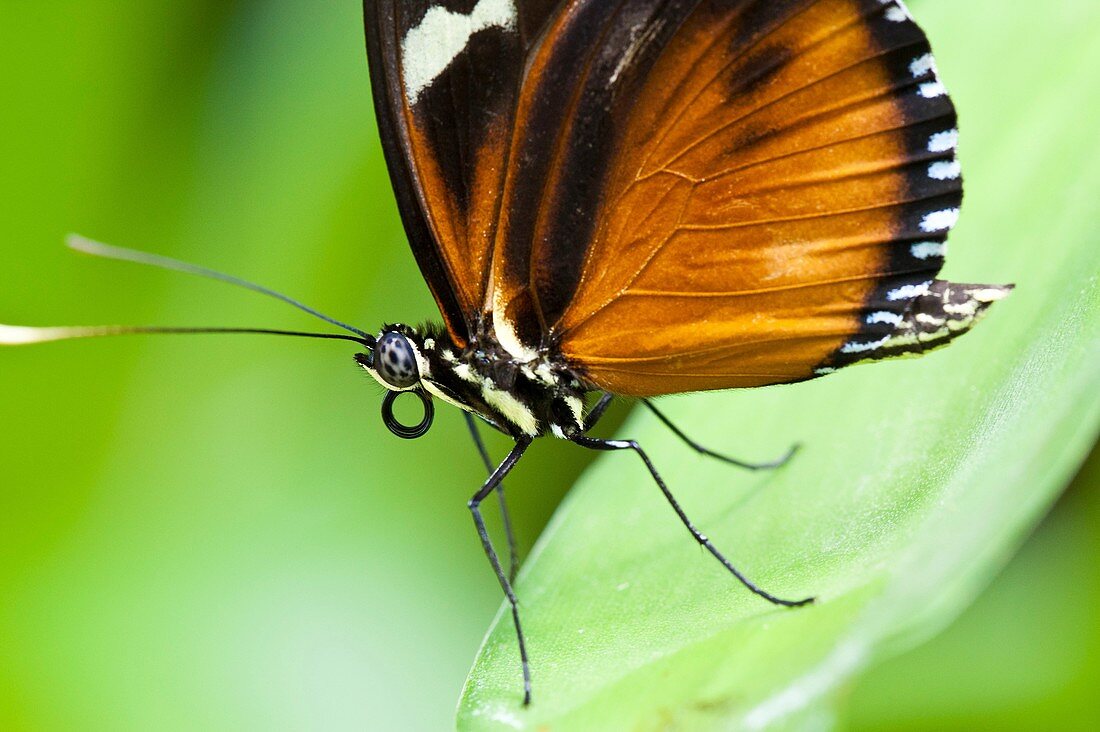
{"x": 218, "y": 532}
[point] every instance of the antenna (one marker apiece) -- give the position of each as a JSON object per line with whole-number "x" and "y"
{"x": 24, "y": 335}
{"x": 98, "y": 249}
{"x": 18, "y": 335}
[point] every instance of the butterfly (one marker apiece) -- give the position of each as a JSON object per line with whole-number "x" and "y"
{"x": 632, "y": 198}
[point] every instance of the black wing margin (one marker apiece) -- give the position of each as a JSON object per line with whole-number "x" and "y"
{"x": 445, "y": 78}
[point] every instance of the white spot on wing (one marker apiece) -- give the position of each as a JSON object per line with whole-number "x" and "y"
{"x": 907, "y": 292}
{"x": 858, "y": 347}
{"x": 989, "y": 294}
{"x": 932, "y": 89}
{"x": 506, "y": 335}
{"x": 896, "y": 14}
{"x": 923, "y": 65}
{"x": 943, "y": 141}
{"x": 884, "y": 316}
{"x": 945, "y": 170}
{"x": 929, "y": 319}
{"x": 940, "y": 220}
{"x": 928, "y": 249}
{"x": 429, "y": 48}
{"x": 970, "y": 307}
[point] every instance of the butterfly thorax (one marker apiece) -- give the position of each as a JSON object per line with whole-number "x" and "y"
{"x": 519, "y": 398}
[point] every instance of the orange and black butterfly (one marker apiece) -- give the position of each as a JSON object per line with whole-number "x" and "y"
{"x": 642, "y": 197}
{"x": 645, "y": 197}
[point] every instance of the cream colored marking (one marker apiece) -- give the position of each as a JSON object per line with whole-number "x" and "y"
{"x": 576, "y": 406}
{"x": 989, "y": 294}
{"x": 967, "y": 308}
{"x": 513, "y": 409}
{"x": 884, "y": 316}
{"x": 900, "y": 341}
{"x": 907, "y": 292}
{"x": 463, "y": 372}
{"x": 857, "y": 347}
{"x": 421, "y": 362}
{"x": 545, "y": 374}
{"x": 934, "y": 335}
{"x": 436, "y": 391}
{"x": 429, "y": 48}
{"x": 506, "y": 333}
{"x": 927, "y": 249}
{"x": 388, "y": 386}
{"x": 928, "y": 319}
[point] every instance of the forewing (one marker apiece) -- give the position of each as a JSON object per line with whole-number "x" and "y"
{"x": 731, "y": 193}
{"x": 445, "y": 76}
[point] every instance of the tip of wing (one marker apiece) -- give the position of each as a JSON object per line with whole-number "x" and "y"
{"x": 987, "y": 293}
{"x": 942, "y": 313}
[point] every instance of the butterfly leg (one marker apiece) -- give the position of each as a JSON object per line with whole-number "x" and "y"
{"x": 597, "y": 411}
{"x": 506, "y": 519}
{"x": 490, "y": 485}
{"x": 710, "y": 453}
{"x": 597, "y": 444}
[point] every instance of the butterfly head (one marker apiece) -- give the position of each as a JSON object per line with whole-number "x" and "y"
{"x": 396, "y": 362}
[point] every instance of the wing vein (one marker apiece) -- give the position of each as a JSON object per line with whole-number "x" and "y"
{"x": 688, "y": 294}
{"x": 802, "y": 217}
{"x": 736, "y": 58}
{"x": 888, "y": 91}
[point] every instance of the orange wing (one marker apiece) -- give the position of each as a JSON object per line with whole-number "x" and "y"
{"x": 730, "y": 194}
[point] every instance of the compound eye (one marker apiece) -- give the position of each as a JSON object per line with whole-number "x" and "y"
{"x": 395, "y": 361}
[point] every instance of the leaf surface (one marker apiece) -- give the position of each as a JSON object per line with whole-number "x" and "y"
{"x": 917, "y": 480}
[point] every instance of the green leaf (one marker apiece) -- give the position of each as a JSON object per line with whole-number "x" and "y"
{"x": 918, "y": 478}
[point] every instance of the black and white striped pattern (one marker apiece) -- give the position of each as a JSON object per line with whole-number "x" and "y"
{"x": 911, "y": 311}
{"x": 940, "y": 313}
